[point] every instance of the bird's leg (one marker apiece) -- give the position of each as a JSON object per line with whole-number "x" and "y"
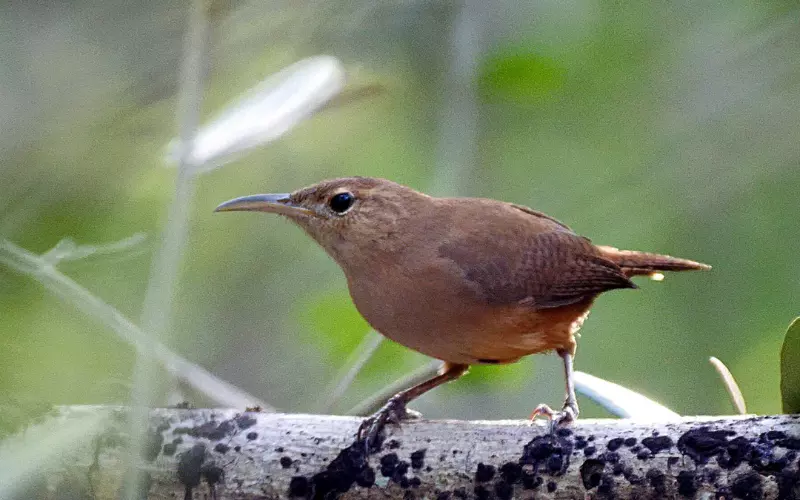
{"x": 569, "y": 412}
{"x": 395, "y": 408}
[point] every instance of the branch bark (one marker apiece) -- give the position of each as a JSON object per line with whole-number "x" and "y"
{"x": 226, "y": 454}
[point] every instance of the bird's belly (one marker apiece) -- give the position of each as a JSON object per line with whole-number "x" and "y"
{"x": 449, "y": 328}
{"x": 513, "y": 333}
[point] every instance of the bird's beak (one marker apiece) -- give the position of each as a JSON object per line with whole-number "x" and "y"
{"x": 279, "y": 203}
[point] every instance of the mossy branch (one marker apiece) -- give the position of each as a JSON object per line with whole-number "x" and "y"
{"x": 228, "y": 454}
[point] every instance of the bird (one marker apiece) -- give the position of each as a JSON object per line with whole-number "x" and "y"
{"x": 468, "y": 281}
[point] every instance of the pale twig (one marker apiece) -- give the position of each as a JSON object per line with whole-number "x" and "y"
{"x": 355, "y": 362}
{"x": 730, "y": 384}
{"x": 375, "y": 401}
{"x": 68, "y": 250}
{"x": 620, "y": 401}
{"x": 216, "y": 389}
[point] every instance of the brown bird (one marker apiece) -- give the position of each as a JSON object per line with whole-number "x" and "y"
{"x": 464, "y": 280}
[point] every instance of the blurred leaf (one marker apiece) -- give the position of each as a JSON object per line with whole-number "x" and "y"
{"x": 621, "y": 401}
{"x": 520, "y": 76}
{"x": 265, "y": 113}
{"x": 790, "y": 368}
{"x": 334, "y": 324}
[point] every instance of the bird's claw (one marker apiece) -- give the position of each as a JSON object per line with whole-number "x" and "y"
{"x": 393, "y": 412}
{"x": 558, "y": 419}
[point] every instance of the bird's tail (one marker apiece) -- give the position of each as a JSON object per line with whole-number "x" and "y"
{"x": 635, "y": 263}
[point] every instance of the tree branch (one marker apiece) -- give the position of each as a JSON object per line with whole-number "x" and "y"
{"x": 227, "y": 454}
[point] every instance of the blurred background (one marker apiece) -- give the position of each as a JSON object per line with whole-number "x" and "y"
{"x": 669, "y": 127}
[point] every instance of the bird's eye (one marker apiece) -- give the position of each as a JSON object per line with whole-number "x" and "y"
{"x": 341, "y": 202}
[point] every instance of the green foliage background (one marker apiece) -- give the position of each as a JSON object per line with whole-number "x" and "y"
{"x": 657, "y": 126}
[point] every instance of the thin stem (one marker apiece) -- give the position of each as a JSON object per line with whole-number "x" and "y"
{"x": 730, "y": 384}
{"x": 216, "y": 389}
{"x": 459, "y": 120}
{"x": 355, "y": 362}
{"x": 375, "y": 401}
{"x": 157, "y": 309}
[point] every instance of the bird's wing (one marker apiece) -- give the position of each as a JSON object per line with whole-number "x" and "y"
{"x": 541, "y": 217}
{"x": 545, "y": 269}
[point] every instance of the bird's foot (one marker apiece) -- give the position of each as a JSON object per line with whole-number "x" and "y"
{"x": 558, "y": 419}
{"x": 392, "y": 412}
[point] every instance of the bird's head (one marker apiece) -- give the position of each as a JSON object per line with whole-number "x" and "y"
{"x": 345, "y": 216}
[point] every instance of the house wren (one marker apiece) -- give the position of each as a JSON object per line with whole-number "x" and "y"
{"x": 464, "y": 280}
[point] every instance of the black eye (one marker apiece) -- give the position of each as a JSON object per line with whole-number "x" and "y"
{"x": 341, "y": 202}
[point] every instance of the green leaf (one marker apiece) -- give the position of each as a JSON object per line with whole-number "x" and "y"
{"x": 333, "y": 324}
{"x": 497, "y": 377}
{"x": 790, "y": 368}
{"x": 520, "y": 76}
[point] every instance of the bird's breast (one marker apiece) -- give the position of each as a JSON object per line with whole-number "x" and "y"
{"x": 438, "y": 314}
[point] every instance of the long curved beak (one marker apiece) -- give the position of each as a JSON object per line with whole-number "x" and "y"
{"x": 279, "y": 203}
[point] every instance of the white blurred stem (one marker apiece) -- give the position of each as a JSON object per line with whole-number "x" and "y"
{"x": 358, "y": 358}
{"x": 68, "y": 250}
{"x": 157, "y": 309}
{"x": 217, "y": 390}
{"x": 459, "y": 116}
{"x": 621, "y": 401}
{"x": 374, "y": 402}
